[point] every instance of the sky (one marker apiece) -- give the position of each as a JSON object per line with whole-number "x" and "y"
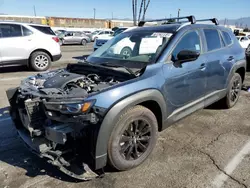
{"x": 220, "y": 9}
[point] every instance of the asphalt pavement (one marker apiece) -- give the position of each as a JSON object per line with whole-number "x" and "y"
{"x": 210, "y": 148}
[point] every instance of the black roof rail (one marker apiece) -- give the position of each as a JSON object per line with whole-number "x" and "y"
{"x": 213, "y": 20}
{"x": 190, "y": 19}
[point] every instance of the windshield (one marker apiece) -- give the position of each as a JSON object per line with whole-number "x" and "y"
{"x": 139, "y": 47}
{"x": 95, "y": 32}
{"x": 118, "y": 31}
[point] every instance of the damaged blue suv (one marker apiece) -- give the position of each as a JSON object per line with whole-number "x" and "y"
{"x": 109, "y": 108}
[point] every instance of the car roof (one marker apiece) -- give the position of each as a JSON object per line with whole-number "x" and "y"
{"x": 172, "y": 28}
{"x": 160, "y": 28}
{"x": 23, "y": 23}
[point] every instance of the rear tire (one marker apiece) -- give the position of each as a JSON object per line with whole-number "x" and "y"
{"x": 126, "y": 52}
{"x": 40, "y": 61}
{"x": 233, "y": 93}
{"x": 133, "y": 138}
{"x": 84, "y": 42}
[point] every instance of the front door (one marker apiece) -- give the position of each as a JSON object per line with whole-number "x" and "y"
{"x": 185, "y": 84}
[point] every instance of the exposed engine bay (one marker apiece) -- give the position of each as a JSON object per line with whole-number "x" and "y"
{"x": 64, "y": 83}
{"x": 54, "y": 120}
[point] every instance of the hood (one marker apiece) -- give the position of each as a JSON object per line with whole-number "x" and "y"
{"x": 76, "y": 81}
{"x": 106, "y": 37}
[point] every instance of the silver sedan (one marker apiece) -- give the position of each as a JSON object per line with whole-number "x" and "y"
{"x": 72, "y": 37}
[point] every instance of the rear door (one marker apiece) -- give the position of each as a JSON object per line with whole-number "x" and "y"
{"x": 15, "y": 43}
{"x": 218, "y": 56}
{"x": 77, "y": 37}
{"x": 68, "y": 39}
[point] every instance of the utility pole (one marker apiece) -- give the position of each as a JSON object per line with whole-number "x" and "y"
{"x": 34, "y": 8}
{"x": 179, "y": 14}
{"x": 112, "y": 16}
{"x": 170, "y": 16}
{"x": 94, "y": 13}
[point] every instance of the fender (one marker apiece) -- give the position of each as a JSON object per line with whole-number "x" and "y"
{"x": 237, "y": 65}
{"x": 114, "y": 114}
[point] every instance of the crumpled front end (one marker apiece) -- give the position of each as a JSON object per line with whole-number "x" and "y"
{"x": 65, "y": 140}
{"x": 54, "y": 117}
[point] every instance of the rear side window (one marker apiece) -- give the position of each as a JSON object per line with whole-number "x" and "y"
{"x": 227, "y": 38}
{"x": 45, "y": 30}
{"x": 10, "y": 30}
{"x": 26, "y": 32}
{"x": 213, "y": 39}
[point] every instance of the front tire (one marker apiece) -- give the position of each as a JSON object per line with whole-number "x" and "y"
{"x": 133, "y": 138}
{"x": 40, "y": 61}
{"x": 233, "y": 94}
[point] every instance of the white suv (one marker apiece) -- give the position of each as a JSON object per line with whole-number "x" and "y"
{"x": 28, "y": 44}
{"x": 100, "y": 33}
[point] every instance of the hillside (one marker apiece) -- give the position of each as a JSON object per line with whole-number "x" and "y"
{"x": 244, "y": 21}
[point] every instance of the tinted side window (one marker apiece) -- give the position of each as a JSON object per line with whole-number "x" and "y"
{"x": 77, "y": 34}
{"x": 191, "y": 41}
{"x": 45, "y": 30}
{"x": 26, "y": 32}
{"x": 10, "y": 30}
{"x": 213, "y": 39}
{"x": 227, "y": 38}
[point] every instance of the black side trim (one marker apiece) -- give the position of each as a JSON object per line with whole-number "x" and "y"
{"x": 15, "y": 62}
{"x": 56, "y": 57}
{"x": 113, "y": 115}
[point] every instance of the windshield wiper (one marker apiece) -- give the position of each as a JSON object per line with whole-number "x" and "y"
{"x": 117, "y": 66}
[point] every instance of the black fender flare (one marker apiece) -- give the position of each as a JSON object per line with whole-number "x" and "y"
{"x": 114, "y": 113}
{"x": 235, "y": 67}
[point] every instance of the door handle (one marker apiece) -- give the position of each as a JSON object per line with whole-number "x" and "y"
{"x": 231, "y": 58}
{"x": 203, "y": 66}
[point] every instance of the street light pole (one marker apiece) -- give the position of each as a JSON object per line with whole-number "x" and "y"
{"x": 34, "y": 7}
{"x": 179, "y": 14}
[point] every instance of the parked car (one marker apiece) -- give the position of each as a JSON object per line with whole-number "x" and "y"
{"x": 28, "y": 44}
{"x": 103, "y": 39}
{"x": 110, "y": 107}
{"x": 88, "y": 33}
{"x": 96, "y": 34}
{"x": 244, "y": 41}
{"x": 75, "y": 37}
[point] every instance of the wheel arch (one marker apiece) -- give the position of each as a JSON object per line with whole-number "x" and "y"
{"x": 40, "y": 50}
{"x": 151, "y": 98}
{"x": 240, "y": 68}
{"x": 241, "y": 71}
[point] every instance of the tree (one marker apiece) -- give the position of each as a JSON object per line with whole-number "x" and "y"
{"x": 142, "y": 11}
{"x": 246, "y": 30}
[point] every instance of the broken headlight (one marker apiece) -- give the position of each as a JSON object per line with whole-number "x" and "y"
{"x": 70, "y": 107}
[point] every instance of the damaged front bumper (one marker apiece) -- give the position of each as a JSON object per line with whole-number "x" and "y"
{"x": 40, "y": 146}
{"x": 59, "y": 138}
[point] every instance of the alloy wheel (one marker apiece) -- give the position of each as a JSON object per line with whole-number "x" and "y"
{"x": 41, "y": 61}
{"x": 235, "y": 90}
{"x": 135, "y": 140}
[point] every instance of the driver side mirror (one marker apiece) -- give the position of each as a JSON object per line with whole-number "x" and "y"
{"x": 187, "y": 55}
